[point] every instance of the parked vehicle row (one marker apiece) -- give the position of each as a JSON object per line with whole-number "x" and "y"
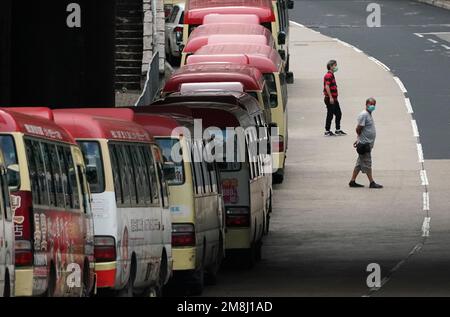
{"x": 124, "y": 201}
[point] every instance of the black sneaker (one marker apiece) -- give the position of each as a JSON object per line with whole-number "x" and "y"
{"x": 340, "y": 132}
{"x": 355, "y": 184}
{"x": 375, "y": 185}
{"x": 329, "y": 133}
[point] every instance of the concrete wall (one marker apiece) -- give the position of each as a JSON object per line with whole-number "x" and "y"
{"x": 438, "y": 3}
{"x": 154, "y": 25}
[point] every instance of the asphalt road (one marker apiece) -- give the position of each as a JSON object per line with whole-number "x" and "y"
{"x": 422, "y": 63}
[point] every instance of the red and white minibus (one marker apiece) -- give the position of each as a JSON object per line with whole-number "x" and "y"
{"x": 133, "y": 250}
{"x": 53, "y": 226}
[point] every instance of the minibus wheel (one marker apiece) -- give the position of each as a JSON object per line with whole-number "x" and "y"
{"x": 86, "y": 279}
{"x": 128, "y": 290}
{"x": 198, "y": 282}
{"x": 7, "y": 288}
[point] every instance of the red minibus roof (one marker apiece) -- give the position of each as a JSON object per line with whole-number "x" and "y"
{"x": 88, "y": 126}
{"x": 263, "y": 57}
{"x": 32, "y": 125}
{"x": 231, "y": 18}
{"x": 161, "y": 124}
{"x": 250, "y": 77}
{"x": 196, "y": 10}
{"x": 201, "y": 35}
{"x": 118, "y": 113}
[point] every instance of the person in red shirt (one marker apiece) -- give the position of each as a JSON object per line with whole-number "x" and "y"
{"x": 330, "y": 91}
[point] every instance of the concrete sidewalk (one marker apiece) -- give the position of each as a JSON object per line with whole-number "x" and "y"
{"x": 323, "y": 233}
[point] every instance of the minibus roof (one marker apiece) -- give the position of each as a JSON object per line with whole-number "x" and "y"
{"x": 217, "y": 86}
{"x": 204, "y": 34}
{"x": 263, "y": 57}
{"x": 159, "y": 124}
{"x": 231, "y": 18}
{"x": 250, "y": 77}
{"x": 196, "y": 10}
{"x": 32, "y": 125}
{"x": 234, "y": 98}
{"x": 89, "y": 126}
{"x": 118, "y": 113}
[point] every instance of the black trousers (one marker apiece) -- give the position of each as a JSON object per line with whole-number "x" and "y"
{"x": 333, "y": 110}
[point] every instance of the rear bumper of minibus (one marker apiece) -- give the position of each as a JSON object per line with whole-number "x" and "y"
{"x": 184, "y": 258}
{"x": 106, "y": 274}
{"x": 238, "y": 238}
{"x": 24, "y": 281}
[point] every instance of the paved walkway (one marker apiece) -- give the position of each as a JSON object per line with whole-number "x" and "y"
{"x": 324, "y": 234}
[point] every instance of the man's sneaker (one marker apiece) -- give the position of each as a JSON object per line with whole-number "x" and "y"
{"x": 355, "y": 184}
{"x": 340, "y": 132}
{"x": 329, "y": 133}
{"x": 375, "y": 185}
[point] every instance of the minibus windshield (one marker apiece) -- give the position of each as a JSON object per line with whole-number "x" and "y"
{"x": 94, "y": 167}
{"x": 173, "y": 167}
{"x": 9, "y": 152}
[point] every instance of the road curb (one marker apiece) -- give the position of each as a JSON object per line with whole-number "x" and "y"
{"x": 437, "y": 3}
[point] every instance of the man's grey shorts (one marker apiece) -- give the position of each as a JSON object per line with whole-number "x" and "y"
{"x": 364, "y": 162}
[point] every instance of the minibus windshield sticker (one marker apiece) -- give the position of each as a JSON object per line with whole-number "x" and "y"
{"x": 128, "y": 135}
{"x": 50, "y": 133}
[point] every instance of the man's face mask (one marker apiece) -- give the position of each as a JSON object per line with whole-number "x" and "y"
{"x": 371, "y": 108}
{"x": 335, "y": 69}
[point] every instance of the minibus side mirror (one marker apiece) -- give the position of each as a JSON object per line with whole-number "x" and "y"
{"x": 290, "y": 77}
{"x": 13, "y": 176}
{"x": 290, "y": 4}
{"x": 281, "y": 38}
{"x": 283, "y": 78}
{"x": 273, "y": 100}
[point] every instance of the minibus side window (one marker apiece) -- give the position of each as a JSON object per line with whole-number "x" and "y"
{"x": 33, "y": 172}
{"x": 140, "y": 175}
{"x": 116, "y": 174}
{"x": 132, "y": 172}
{"x": 57, "y": 176}
{"x": 94, "y": 165}
{"x": 125, "y": 173}
{"x": 152, "y": 172}
{"x": 10, "y": 154}
{"x": 198, "y": 169}
{"x": 206, "y": 177}
{"x": 42, "y": 177}
{"x": 49, "y": 174}
{"x": 72, "y": 177}
{"x": 162, "y": 181}
{"x": 5, "y": 195}
{"x": 148, "y": 186}
{"x": 194, "y": 172}
{"x": 213, "y": 177}
{"x": 66, "y": 172}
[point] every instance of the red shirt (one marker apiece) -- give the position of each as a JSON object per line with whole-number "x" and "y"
{"x": 330, "y": 80}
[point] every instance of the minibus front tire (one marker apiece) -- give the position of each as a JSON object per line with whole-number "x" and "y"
{"x": 50, "y": 291}
{"x": 128, "y": 290}
{"x": 211, "y": 274}
{"x": 278, "y": 177}
{"x": 198, "y": 278}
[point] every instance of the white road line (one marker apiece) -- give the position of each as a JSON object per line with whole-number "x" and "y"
{"x": 400, "y": 84}
{"x": 376, "y": 61}
{"x": 426, "y": 201}
{"x": 432, "y": 41}
{"x": 297, "y": 24}
{"x": 408, "y": 105}
{"x": 446, "y": 47}
{"x": 418, "y": 34}
{"x": 356, "y": 49}
{"x": 415, "y": 129}
{"x": 342, "y": 42}
{"x": 424, "y": 177}
{"x": 426, "y": 227}
{"x": 420, "y": 152}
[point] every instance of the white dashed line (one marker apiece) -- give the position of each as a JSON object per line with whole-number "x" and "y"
{"x": 356, "y": 49}
{"x": 446, "y": 47}
{"x": 400, "y": 84}
{"x": 420, "y": 152}
{"x": 342, "y": 42}
{"x": 426, "y": 227}
{"x": 418, "y": 34}
{"x": 408, "y": 106}
{"x": 424, "y": 177}
{"x": 426, "y": 201}
{"x": 415, "y": 129}
{"x": 433, "y": 41}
